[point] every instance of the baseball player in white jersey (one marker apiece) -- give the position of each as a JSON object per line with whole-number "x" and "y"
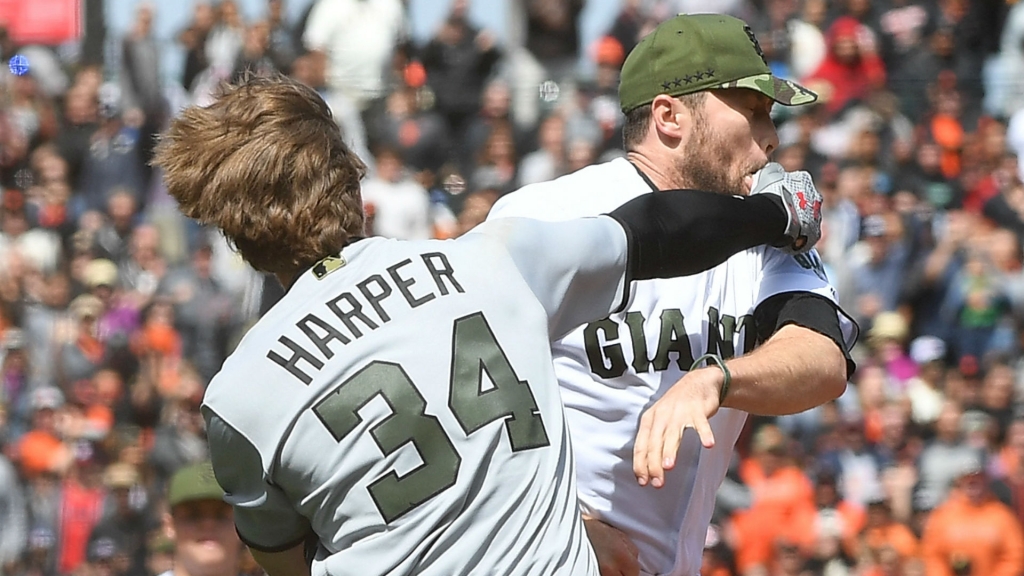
{"x": 398, "y": 406}
{"x": 697, "y": 96}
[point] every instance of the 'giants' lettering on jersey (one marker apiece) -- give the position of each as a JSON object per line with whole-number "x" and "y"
{"x": 608, "y": 360}
{"x": 364, "y": 310}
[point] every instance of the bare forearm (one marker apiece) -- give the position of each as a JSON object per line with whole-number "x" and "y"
{"x": 290, "y": 562}
{"x": 795, "y": 370}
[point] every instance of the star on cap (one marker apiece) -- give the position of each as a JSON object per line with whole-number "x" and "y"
{"x": 677, "y": 82}
{"x": 709, "y": 72}
{"x": 698, "y": 76}
{"x": 666, "y": 85}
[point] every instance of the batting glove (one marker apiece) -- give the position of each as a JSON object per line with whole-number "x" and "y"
{"x": 801, "y": 199}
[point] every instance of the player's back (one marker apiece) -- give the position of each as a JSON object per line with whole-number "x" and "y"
{"x": 402, "y": 399}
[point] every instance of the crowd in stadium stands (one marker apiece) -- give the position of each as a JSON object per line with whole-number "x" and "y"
{"x": 115, "y": 311}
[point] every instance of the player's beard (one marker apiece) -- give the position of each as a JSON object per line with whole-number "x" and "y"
{"x": 704, "y": 164}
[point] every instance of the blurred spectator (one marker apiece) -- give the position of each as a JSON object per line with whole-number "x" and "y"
{"x": 881, "y": 530}
{"x": 458, "y": 60}
{"x": 942, "y": 459}
{"x": 356, "y": 38}
{"x": 127, "y": 526}
{"x": 549, "y": 161}
{"x": 106, "y": 557}
{"x": 992, "y": 544}
{"x": 40, "y": 450}
{"x": 13, "y": 516}
{"x": 225, "y": 40}
{"x": 200, "y": 522}
{"x": 400, "y": 206}
{"x": 141, "y": 80}
{"x": 807, "y": 42}
{"x": 283, "y": 47}
{"x": 82, "y": 506}
{"x": 80, "y": 122}
{"x": 781, "y": 495}
{"x": 420, "y": 136}
{"x": 203, "y": 312}
{"x": 179, "y": 440}
{"x": 475, "y": 209}
{"x": 114, "y": 160}
{"x": 83, "y": 353}
{"x": 193, "y": 39}
{"x": 552, "y": 35}
{"x": 925, "y": 391}
{"x": 254, "y": 57}
{"x": 877, "y": 277}
{"x": 497, "y": 165}
{"x": 851, "y": 69}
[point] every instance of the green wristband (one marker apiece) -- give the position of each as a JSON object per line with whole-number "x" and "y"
{"x": 725, "y": 370}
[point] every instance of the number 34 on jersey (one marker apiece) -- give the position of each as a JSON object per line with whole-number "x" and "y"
{"x": 475, "y": 351}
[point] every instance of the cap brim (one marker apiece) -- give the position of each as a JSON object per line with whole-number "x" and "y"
{"x": 784, "y": 92}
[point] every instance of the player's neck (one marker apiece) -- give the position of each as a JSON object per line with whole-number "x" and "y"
{"x": 653, "y": 169}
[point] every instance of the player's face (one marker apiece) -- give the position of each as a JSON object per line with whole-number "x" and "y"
{"x": 731, "y": 139}
{"x": 205, "y": 536}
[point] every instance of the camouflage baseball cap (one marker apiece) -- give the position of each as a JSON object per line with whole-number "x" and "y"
{"x": 195, "y": 482}
{"x": 691, "y": 53}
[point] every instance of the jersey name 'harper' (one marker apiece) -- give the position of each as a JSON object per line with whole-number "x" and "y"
{"x": 345, "y": 317}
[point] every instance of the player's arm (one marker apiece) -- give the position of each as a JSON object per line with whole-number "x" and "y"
{"x": 588, "y": 263}
{"x": 803, "y": 362}
{"x": 265, "y": 520}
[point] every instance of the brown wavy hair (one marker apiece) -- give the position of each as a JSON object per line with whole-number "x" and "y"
{"x": 266, "y": 164}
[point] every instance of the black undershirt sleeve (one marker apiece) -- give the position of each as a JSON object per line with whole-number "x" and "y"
{"x": 682, "y": 232}
{"x": 807, "y": 310}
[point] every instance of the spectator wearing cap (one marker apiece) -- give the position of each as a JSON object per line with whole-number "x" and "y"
{"x": 119, "y": 317}
{"x": 878, "y": 271}
{"x": 41, "y": 449}
{"x": 205, "y": 314}
{"x": 201, "y": 524}
{"x": 887, "y": 337}
{"x": 106, "y": 557}
{"x": 13, "y": 515}
{"x": 128, "y": 526}
{"x": 84, "y": 353}
{"x": 851, "y": 68}
{"x": 781, "y": 495}
{"x": 925, "y": 391}
{"x": 111, "y": 239}
{"x": 972, "y": 532}
{"x": 975, "y": 303}
{"x": 881, "y": 530}
{"x": 114, "y": 159}
{"x": 942, "y": 458}
{"x": 14, "y": 367}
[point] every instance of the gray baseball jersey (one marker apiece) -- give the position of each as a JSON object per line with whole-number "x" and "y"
{"x": 400, "y": 400}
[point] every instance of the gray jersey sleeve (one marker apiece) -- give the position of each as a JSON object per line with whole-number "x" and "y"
{"x": 575, "y": 268}
{"x": 263, "y": 516}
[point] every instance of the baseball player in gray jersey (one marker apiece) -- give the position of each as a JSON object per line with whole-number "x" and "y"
{"x": 398, "y": 406}
{"x": 697, "y": 94}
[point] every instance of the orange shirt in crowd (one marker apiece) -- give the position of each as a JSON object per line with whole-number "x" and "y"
{"x": 894, "y": 534}
{"x": 987, "y": 534}
{"x": 780, "y": 502}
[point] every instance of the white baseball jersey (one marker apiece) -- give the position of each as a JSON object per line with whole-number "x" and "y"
{"x": 400, "y": 400}
{"x": 611, "y": 370}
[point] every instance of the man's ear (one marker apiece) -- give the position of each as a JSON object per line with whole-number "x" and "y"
{"x": 672, "y": 120}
